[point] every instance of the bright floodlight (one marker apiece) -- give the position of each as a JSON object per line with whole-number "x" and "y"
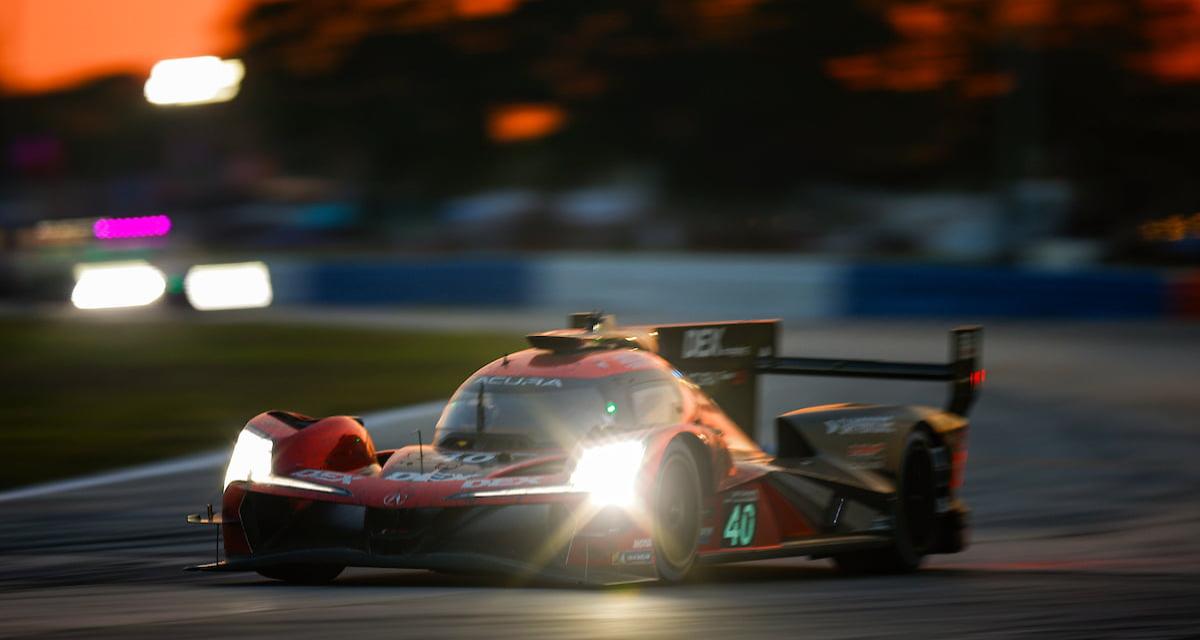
{"x": 117, "y": 284}
{"x": 199, "y": 80}
{"x": 244, "y": 285}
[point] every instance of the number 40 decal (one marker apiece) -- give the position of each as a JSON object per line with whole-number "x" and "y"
{"x": 739, "y": 528}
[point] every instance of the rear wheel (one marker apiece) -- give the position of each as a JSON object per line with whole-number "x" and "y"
{"x": 914, "y": 514}
{"x": 677, "y": 509}
{"x": 303, "y": 573}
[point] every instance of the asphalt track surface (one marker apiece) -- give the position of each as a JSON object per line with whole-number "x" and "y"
{"x": 1084, "y": 474}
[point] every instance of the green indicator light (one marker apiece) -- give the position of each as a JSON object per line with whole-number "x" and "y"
{"x": 610, "y": 408}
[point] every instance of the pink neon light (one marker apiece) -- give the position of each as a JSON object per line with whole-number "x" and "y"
{"x": 140, "y": 227}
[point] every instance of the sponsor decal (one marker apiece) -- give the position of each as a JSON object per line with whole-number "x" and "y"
{"x": 641, "y": 543}
{"x": 706, "y": 343}
{"x": 497, "y": 483}
{"x": 396, "y": 499}
{"x": 713, "y": 378}
{"x": 431, "y": 476}
{"x": 328, "y": 476}
{"x": 866, "y": 455}
{"x": 633, "y": 557}
{"x": 521, "y": 381}
{"x": 742, "y": 495}
{"x": 705, "y": 534}
{"x": 860, "y": 425}
{"x": 869, "y": 450}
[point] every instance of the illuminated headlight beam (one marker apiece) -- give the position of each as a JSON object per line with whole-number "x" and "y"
{"x": 117, "y": 284}
{"x": 251, "y": 462}
{"x": 608, "y": 473}
{"x": 251, "y": 458}
{"x": 212, "y": 287}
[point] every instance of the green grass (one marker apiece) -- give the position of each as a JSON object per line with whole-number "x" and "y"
{"x": 81, "y": 396}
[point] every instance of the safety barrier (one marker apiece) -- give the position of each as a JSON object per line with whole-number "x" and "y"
{"x": 902, "y": 290}
{"x": 669, "y": 287}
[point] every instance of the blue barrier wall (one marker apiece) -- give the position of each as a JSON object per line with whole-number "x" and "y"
{"x": 683, "y": 287}
{"x": 899, "y": 290}
{"x": 501, "y": 282}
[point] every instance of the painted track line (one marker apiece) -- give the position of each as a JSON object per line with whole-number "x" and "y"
{"x": 194, "y": 462}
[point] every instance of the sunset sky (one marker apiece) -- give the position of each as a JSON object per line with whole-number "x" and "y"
{"x": 51, "y": 44}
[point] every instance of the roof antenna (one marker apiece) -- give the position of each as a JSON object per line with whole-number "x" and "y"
{"x": 504, "y": 363}
{"x": 479, "y": 409}
{"x": 420, "y": 451}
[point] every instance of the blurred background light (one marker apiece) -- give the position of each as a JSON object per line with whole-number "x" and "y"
{"x": 245, "y": 285}
{"x": 139, "y": 227}
{"x": 117, "y": 284}
{"x": 198, "y": 80}
{"x": 512, "y": 123}
{"x": 61, "y": 232}
{"x": 483, "y": 8}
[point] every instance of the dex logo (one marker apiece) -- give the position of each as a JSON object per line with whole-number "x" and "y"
{"x": 707, "y": 343}
{"x": 495, "y": 483}
{"x": 328, "y": 476}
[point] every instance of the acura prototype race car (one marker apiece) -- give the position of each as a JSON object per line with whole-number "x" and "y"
{"x": 601, "y": 455}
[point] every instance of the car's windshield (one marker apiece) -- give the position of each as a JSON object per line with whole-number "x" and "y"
{"x": 526, "y": 413}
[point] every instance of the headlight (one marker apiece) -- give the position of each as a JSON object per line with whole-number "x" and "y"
{"x": 251, "y": 459}
{"x": 609, "y": 472}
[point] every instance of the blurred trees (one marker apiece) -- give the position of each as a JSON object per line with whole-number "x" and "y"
{"x": 716, "y": 100}
{"x": 718, "y": 95}
{"x": 738, "y": 97}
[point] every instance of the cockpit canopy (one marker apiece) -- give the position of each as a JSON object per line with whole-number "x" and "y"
{"x": 513, "y": 413}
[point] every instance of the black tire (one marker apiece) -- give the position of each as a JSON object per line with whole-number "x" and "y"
{"x": 914, "y": 513}
{"x": 678, "y": 505}
{"x": 303, "y": 573}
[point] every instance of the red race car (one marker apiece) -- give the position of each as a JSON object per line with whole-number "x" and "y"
{"x": 601, "y": 455}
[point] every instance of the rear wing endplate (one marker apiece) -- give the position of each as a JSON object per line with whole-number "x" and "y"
{"x": 963, "y": 372}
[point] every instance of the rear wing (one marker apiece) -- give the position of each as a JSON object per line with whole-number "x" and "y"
{"x": 722, "y": 358}
{"x": 962, "y": 372}
{"x": 727, "y": 358}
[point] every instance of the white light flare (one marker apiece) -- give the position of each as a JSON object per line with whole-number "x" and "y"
{"x": 251, "y": 459}
{"x": 114, "y": 285}
{"x": 609, "y": 473}
{"x": 243, "y": 285}
{"x": 190, "y": 81}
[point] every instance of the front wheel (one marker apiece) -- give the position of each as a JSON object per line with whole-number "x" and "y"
{"x": 678, "y": 502}
{"x": 302, "y": 573}
{"x": 914, "y": 513}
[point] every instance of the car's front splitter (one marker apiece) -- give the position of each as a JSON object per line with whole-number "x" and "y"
{"x": 599, "y": 573}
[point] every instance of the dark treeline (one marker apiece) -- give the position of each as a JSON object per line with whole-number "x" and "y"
{"x": 717, "y": 99}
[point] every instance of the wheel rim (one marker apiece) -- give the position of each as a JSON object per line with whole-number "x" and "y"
{"x": 678, "y": 513}
{"x": 919, "y": 498}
